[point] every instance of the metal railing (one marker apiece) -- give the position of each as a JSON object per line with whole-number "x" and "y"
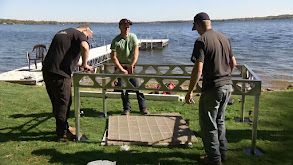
{"x": 245, "y": 82}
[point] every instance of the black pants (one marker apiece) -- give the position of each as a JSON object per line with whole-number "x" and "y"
{"x": 59, "y": 91}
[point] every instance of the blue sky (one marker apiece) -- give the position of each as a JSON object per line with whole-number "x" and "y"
{"x": 139, "y": 10}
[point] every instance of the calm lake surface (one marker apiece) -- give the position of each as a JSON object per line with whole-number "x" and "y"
{"x": 265, "y": 46}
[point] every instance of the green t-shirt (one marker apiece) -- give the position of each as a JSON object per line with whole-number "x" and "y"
{"x": 124, "y": 47}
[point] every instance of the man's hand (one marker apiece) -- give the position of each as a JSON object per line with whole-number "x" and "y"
{"x": 86, "y": 67}
{"x": 188, "y": 97}
{"x": 124, "y": 71}
{"x": 130, "y": 69}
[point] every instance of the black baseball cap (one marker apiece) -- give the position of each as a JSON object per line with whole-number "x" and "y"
{"x": 199, "y": 18}
{"x": 125, "y": 21}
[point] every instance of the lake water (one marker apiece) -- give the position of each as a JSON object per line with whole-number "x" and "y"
{"x": 265, "y": 46}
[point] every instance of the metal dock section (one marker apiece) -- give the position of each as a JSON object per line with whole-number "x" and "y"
{"x": 24, "y": 75}
{"x": 33, "y": 76}
{"x": 145, "y": 44}
{"x": 97, "y": 56}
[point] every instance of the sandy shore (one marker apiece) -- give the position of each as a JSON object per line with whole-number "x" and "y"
{"x": 276, "y": 85}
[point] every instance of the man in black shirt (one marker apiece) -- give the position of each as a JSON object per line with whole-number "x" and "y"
{"x": 61, "y": 59}
{"x": 213, "y": 58}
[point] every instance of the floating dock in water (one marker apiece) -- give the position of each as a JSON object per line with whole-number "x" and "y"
{"x": 152, "y": 43}
{"x": 97, "y": 56}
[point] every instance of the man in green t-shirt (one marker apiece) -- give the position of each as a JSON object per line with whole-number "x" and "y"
{"x": 124, "y": 55}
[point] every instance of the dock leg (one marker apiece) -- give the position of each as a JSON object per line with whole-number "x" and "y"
{"x": 77, "y": 112}
{"x": 253, "y": 150}
{"x": 104, "y": 95}
{"x": 242, "y": 103}
{"x": 255, "y": 123}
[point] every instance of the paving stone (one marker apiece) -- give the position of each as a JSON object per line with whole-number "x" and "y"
{"x": 155, "y": 129}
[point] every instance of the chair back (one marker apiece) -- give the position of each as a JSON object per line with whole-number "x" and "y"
{"x": 40, "y": 51}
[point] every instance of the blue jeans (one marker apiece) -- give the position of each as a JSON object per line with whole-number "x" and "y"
{"x": 125, "y": 96}
{"x": 212, "y": 105}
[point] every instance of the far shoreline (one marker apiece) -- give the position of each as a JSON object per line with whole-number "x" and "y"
{"x": 32, "y": 22}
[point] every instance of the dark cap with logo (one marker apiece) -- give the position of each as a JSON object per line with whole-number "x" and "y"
{"x": 125, "y": 21}
{"x": 200, "y": 17}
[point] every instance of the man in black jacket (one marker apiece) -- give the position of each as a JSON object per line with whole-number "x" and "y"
{"x": 61, "y": 59}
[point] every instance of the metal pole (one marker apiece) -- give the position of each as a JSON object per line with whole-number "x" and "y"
{"x": 77, "y": 109}
{"x": 255, "y": 123}
{"x": 104, "y": 101}
{"x": 244, "y": 70}
{"x": 242, "y": 103}
{"x": 104, "y": 92}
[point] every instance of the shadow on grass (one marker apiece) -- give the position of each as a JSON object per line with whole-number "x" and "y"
{"x": 25, "y": 131}
{"x": 89, "y": 112}
{"x": 121, "y": 157}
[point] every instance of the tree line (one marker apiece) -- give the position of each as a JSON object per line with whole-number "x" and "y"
{"x": 31, "y": 22}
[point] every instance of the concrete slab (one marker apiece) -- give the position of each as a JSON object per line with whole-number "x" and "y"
{"x": 155, "y": 129}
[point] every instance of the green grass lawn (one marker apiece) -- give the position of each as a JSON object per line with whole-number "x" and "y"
{"x": 27, "y": 131}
